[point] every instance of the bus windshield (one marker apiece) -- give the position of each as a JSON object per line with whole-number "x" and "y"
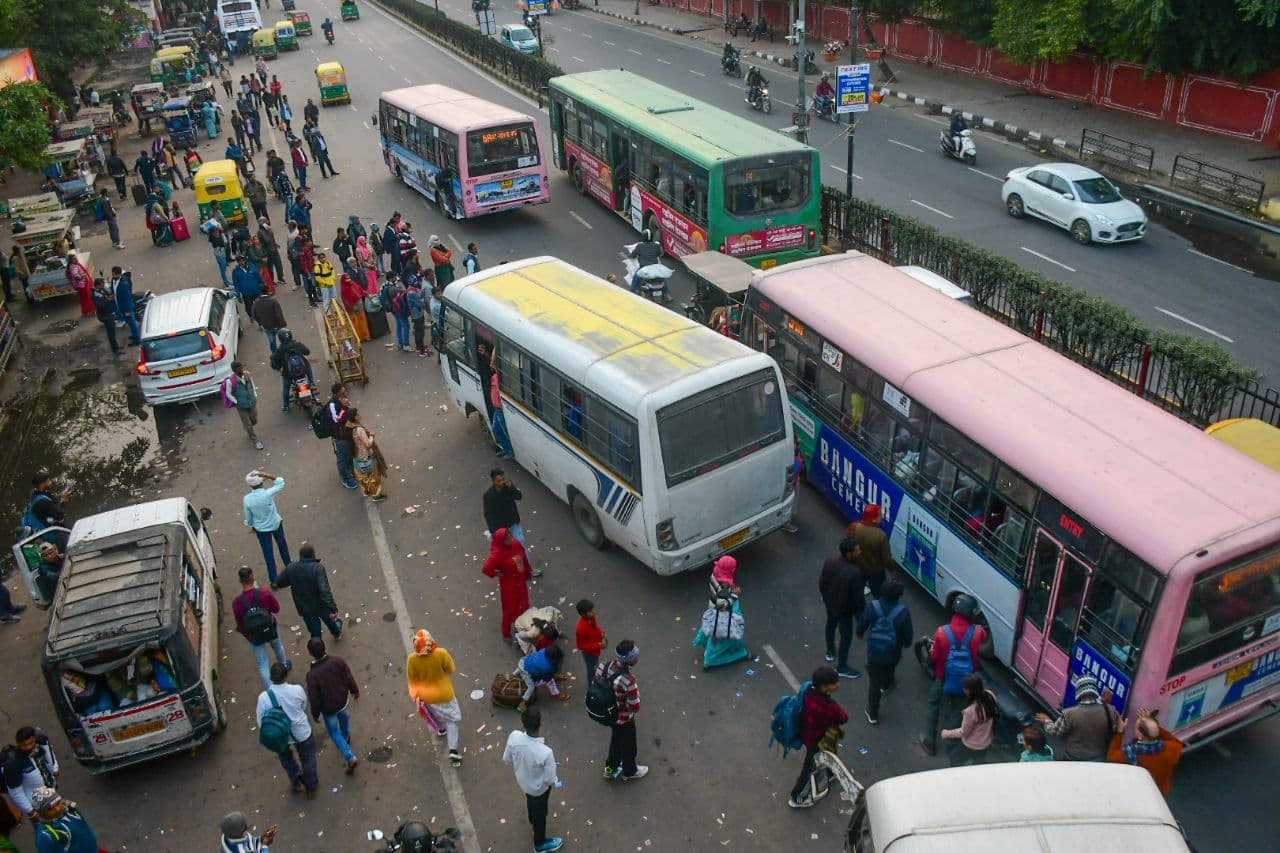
{"x": 719, "y": 425}
{"x": 501, "y": 149}
{"x": 1228, "y": 607}
{"x": 770, "y": 184}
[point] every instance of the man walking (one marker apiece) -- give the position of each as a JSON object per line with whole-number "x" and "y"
{"x": 875, "y": 558}
{"x": 240, "y": 393}
{"x": 886, "y": 624}
{"x": 340, "y": 433}
{"x": 621, "y": 760}
{"x": 262, "y": 517}
{"x": 126, "y": 309}
{"x": 247, "y": 282}
{"x": 322, "y": 154}
{"x": 330, "y": 687}
{"x": 113, "y": 221}
{"x": 118, "y": 170}
{"x": 471, "y": 260}
{"x": 1088, "y": 725}
{"x": 104, "y": 305}
{"x": 28, "y": 766}
{"x": 416, "y": 309}
{"x": 300, "y": 163}
{"x": 500, "y": 509}
{"x": 255, "y": 610}
{"x": 535, "y": 768}
{"x": 218, "y": 242}
{"x": 818, "y": 712}
{"x": 292, "y": 699}
{"x": 946, "y": 696}
{"x": 256, "y": 192}
{"x": 268, "y": 314}
{"x": 841, "y": 587}
{"x": 312, "y": 597}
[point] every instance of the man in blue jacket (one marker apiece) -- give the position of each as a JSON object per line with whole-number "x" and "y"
{"x": 247, "y": 282}
{"x": 122, "y": 287}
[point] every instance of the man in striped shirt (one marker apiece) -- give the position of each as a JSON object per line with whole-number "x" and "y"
{"x": 621, "y": 761}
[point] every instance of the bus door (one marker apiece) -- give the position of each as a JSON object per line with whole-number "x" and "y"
{"x": 1057, "y": 582}
{"x": 620, "y": 167}
{"x": 557, "y": 135}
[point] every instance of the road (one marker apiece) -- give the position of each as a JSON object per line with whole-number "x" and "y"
{"x": 714, "y": 783}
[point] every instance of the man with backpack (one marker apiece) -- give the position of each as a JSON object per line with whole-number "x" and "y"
{"x": 953, "y": 656}
{"x": 255, "y": 610}
{"x": 283, "y": 728}
{"x": 396, "y": 301}
{"x": 333, "y": 425}
{"x": 887, "y": 627}
{"x": 240, "y": 393}
{"x": 841, "y": 587}
{"x": 817, "y": 713}
{"x": 613, "y": 700}
{"x": 290, "y": 358}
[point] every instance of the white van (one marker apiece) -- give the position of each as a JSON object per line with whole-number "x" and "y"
{"x": 189, "y": 339}
{"x": 945, "y": 286}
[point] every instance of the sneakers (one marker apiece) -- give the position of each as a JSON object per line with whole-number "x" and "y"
{"x": 350, "y": 485}
{"x": 799, "y": 804}
{"x": 455, "y": 758}
{"x": 790, "y": 527}
{"x": 848, "y": 672}
{"x": 536, "y": 573}
{"x": 257, "y": 445}
{"x": 549, "y": 845}
{"x": 875, "y": 721}
{"x": 831, "y": 656}
{"x": 642, "y": 770}
{"x": 9, "y": 619}
{"x": 351, "y": 766}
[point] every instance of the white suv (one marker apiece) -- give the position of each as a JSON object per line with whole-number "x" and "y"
{"x": 189, "y": 339}
{"x": 1075, "y": 198}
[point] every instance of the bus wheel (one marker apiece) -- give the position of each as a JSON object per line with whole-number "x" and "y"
{"x": 584, "y": 515}
{"x": 575, "y": 175}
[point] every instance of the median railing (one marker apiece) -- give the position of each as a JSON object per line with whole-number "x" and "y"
{"x": 1232, "y": 188}
{"x": 1114, "y": 151}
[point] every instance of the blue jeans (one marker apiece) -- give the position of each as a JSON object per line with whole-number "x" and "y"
{"x": 517, "y": 533}
{"x": 260, "y": 653}
{"x": 339, "y": 727}
{"x": 402, "y": 331}
{"x": 307, "y": 753}
{"x": 287, "y": 380}
{"x": 500, "y": 434}
{"x": 342, "y": 452}
{"x": 300, "y": 172}
{"x": 222, "y": 268}
{"x": 264, "y": 539}
{"x": 131, "y": 321}
{"x": 271, "y": 339}
{"x": 313, "y": 624}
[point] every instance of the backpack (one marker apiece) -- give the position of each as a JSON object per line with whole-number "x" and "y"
{"x": 259, "y": 624}
{"x": 320, "y": 423}
{"x": 959, "y": 662}
{"x": 882, "y": 637}
{"x": 399, "y": 307}
{"x": 275, "y": 730}
{"x": 602, "y": 699}
{"x": 297, "y": 367}
{"x": 784, "y": 726}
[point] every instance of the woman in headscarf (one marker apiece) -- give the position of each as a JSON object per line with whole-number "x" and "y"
{"x": 78, "y": 277}
{"x": 368, "y": 263}
{"x": 353, "y": 300}
{"x": 722, "y": 623}
{"x": 367, "y": 458}
{"x": 428, "y": 670}
{"x": 510, "y": 565}
{"x": 260, "y": 257}
{"x": 441, "y": 261}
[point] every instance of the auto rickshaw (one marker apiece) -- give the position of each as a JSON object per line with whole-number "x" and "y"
{"x": 180, "y": 120}
{"x": 332, "y": 80}
{"x": 286, "y": 38}
{"x": 201, "y": 92}
{"x": 350, "y": 11}
{"x": 301, "y": 23}
{"x": 719, "y": 291}
{"x": 264, "y": 43}
{"x": 171, "y": 64}
{"x": 218, "y": 183}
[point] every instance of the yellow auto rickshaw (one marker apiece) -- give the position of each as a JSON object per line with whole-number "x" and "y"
{"x": 332, "y": 80}
{"x": 301, "y": 23}
{"x": 170, "y": 66}
{"x": 286, "y": 38}
{"x": 264, "y": 43}
{"x": 218, "y": 183}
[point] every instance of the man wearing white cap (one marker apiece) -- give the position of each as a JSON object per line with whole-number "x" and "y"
{"x": 262, "y": 517}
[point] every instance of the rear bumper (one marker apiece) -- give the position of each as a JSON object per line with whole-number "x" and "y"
{"x": 1195, "y": 737}
{"x": 704, "y": 551}
{"x": 160, "y": 396}
{"x": 199, "y": 734}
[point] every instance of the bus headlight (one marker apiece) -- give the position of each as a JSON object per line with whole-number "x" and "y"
{"x": 666, "y": 532}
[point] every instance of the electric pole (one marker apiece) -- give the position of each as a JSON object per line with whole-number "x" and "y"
{"x": 802, "y": 114}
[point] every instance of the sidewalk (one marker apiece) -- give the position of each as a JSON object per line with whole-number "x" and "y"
{"x": 1050, "y": 123}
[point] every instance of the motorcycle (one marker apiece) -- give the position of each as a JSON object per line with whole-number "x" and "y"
{"x": 302, "y": 393}
{"x": 650, "y": 281}
{"x": 118, "y": 111}
{"x": 140, "y": 304}
{"x": 328, "y": 36}
{"x": 758, "y": 98}
{"x": 809, "y": 66}
{"x": 966, "y": 150}
{"x": 731, "y": 65}
{"x": 825, "y": 107}
{"x": 736, "y": 26}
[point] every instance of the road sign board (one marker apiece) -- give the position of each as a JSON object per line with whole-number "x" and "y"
{"x": 853, "y": 88}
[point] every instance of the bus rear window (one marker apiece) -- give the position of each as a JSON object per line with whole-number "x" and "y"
{"x": 1229, "y": 608}
{"x": 772, "y": 184}
{"x": 719, "y": 425}
{"x": 501, "y": 149}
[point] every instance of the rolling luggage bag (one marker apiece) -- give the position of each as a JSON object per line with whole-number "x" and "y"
{"x": 178, "y": 225}
{"x": 139, "y": 192}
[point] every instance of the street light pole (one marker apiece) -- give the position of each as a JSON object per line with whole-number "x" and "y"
{"x": 854, "y": 12}
{"x": 802, "y": 114}
{"x": 848, "y": 171}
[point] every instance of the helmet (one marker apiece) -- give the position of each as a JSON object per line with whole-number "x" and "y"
{"x": 284, "y": 336}
{"x": 965, "y": 605}
{"x": 826, "y": 76}
{"x": 648, "y": 235}
{"x": 415, "y": 837}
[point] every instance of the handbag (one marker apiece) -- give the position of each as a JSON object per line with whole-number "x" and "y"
{"x": 723, "y": 625}
{"x": 372, "y": 304}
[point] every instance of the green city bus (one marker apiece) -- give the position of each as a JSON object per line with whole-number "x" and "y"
{"x": 696, "y": 176}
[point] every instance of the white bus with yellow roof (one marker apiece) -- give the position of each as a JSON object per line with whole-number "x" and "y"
{"x": 664, "y": 437}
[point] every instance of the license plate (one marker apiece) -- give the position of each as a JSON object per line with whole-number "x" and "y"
{"x": 735, "y": 539}
{"x": 506, "y": 185}
{"x": 182, "y": 371}
{"x": 768, "y": 263}
{"x": 1238, "y": 673}
{"x": 131, "y": 732}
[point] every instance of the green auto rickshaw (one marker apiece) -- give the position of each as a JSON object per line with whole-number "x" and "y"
{"x": 350, "y": 11}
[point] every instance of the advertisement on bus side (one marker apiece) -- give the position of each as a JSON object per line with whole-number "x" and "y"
{"x": 1085, "y": 660}
{"x": 764, "y": 240}
{"x": 1225, "y": 689}
{"x": 680, "y": 236}
{"x": 597, "y": 177}
{"x": 510, "y": 189}
{"x": 841, "y": 472}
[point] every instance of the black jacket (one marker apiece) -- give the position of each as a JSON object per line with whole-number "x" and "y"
{"x": 841, "y": 586}
{"x": 500, "y": 508}
{"x": 280, "y": 360}
{"x": 309, "y": 584}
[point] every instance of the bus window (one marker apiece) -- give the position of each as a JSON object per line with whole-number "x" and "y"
{"x": 1040, "y": 584}
{"x": 768, "y": 184}
{"x": 1111, "y": 622}
{"x": 877, "y": 432}
{"x": 1009, "y": 541}
{"x": 1225, "y": 607}
{"x": 765, "y": 339}
{"x": 501, "y": 149}
{"x": 550, "y": 402}
{"x": 830, "y": 389}
{"x": 1015, "y": 488}
{"x": 571, "y": 417}
{"x": 455, "y": 336}
{"x": 943, "y": 436}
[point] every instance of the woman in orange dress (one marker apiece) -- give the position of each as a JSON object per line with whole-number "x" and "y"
{"x": 353, "y": 300}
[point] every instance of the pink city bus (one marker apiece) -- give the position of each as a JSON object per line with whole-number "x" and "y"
{"x": 1101, "y": 535}
{"x": 469, "y": 156}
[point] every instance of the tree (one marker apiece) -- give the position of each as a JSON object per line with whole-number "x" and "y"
{"x": 1027, "y": 30}
{"x": 65, "y": 34}
{"x": 24, "y": 125}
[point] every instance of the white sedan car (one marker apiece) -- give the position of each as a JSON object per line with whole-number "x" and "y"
{"x": 1075, "y": 198}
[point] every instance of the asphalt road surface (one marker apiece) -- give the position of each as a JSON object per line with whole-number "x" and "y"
{"x": 414, "y": 561}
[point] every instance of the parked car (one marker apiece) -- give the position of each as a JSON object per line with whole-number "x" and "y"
{"x": 189, "y": 339}
{"x": 1075, "y": 198}
{"x": 519, "y": 37}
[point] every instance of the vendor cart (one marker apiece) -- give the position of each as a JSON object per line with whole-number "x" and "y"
{"x": 104, "y": 124}
{"x": 68, "y": 176}
{"x": 147, "y": 100}
{"x": 45, "y": 241}
{"x": 346, "y": 356}
{"x": 720, "y": 289}
{"x": 91, "y": 155}
{"x": 25, "y": 205}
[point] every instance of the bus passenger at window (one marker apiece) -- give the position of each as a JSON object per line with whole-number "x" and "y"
{"x": 690, "y": 200}
{"x": 573, "y": 414}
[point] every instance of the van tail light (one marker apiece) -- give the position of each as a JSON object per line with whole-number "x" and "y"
{"x": 142, "y": 368}
{"x": 813, "y": 235}
{"x": 666, "y": 533}
{"x": 216, "y": 352}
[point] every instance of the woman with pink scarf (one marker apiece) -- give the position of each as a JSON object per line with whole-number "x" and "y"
{"x": 722, "y": 623}
{"x": 365, "y": 258}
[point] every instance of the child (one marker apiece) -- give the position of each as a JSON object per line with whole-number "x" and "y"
{"x": 977, "y": 726}
{"x": 541, "y": 667}
{"x": 1034, "y": 746}
{"x": 590, "y": 638}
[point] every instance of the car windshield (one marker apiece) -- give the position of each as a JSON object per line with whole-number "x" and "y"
{"x": 521, "y": 34}
{"x": 1097, "y": 191}
{"x": 174, "y": 346}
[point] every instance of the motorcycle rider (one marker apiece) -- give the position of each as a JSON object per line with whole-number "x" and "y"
{"x": 958, "y": 124}
{"x": 755, "y": 84}
{"x": 647, "y": 252}
{"x": 728, "y": 60}
{"x": 327, "y": 29}
{"x": 283, "y": 360}
{"x": 824, "y": 93}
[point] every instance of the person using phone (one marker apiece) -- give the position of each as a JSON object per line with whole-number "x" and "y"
{"x": 236, "y": 837}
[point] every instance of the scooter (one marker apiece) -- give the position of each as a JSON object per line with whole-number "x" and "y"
{"x": 809, "y": 66}
{"x": 966, "y": 152}
{"x": 731, "y": 65}
{"x": 825, "y": 108}
{"x": 651, "y": 280}
{"x": 758, "y": 98}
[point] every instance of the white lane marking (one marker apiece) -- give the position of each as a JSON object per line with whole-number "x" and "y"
{"x": 456, "y": 244}
{"x": 556, "y": 49}
{"x": 366, "y": 125}
{"x": 584, "y": 35}
{"x": 842, "y": 171}
{"x": 1200, "y": 254}
{"x": 566, "y": 29}
{"x": 584, "y": 223}
{"x": 636, "y": 52}
{"x": 353, "y": 107}
{"x": 985, "y": 174}
{"x": 1047, "y": 258}
{"x": 739, "y": 88}
{"x": 905, "y": 145}
{"x": 380, "y": 59}
{"x": 663, "y": 61}
{"x": 783, "y": 670}
{"x": 932, "y": 119}
{"x": 611, "y": 44}
{"x": 1194, "y": 324}
{"x": 934, "y": 209}
{"x": 577, "y": 59}
{"x": 392, "y": 67}
{"x": 699, "y": 73}
{"x": 407, "y": 80}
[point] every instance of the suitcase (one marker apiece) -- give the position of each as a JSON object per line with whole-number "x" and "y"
{"x": 139, "y": 193}
{"x": 506, "y": 691}
{"x": 178, "y": 225}
{"x": 378, "y": 325}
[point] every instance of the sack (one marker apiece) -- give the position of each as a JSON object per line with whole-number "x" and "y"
{"x": 723, "y": 624}
{"x": 275, "y": 730}
{"x": 784, "y": 725}
{"x": 882, "y": 636}
{"x": 320, "y": 423}
{"x": 602, "y": 700}
{"x": 297, "y": 367}
{"x": 259, "y": 623}
{"x": 959, "y": 663}
{"x": 507, "y": 691}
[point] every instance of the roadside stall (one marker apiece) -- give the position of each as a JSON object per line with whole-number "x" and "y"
{"x": 332, "y": 80}
{"x": 82, "y": 128}
{"x": 148, "y": 99}
{"x": 264, "y": 44}
{"x": 218, "y": 183}
{"x": 25, "y": 205}
{"x": 104, "y": 126}
{"x": 301, "y": 22}
{"x": 68, "y": 176}
{"x": 346, "y": 355}
{"x": 350, "y": 11}
{"x": 44, "y": 241}
{"x": 719, "y": 291}
{"x": 286, "y": 38}
{"x": 180, "y": 121}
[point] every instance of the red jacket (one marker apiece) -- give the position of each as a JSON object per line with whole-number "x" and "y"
{"x": 590, "y": 637}
{"x": 819, "y": 713}
{"x": 299, "y": 157}
{"x": 942, "y": 645}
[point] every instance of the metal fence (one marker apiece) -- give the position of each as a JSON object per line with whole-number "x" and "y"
{"x": 1239, "y": 191}
{"x": 1114, "y": 151}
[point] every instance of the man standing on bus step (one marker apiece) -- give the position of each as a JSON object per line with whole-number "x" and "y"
{"x": 841, "y": 587}
{"x": 500, "y": 509}
{"x": 1087, "y": 725}
{"x": 875, "y": 559}
{"x": 945, "y": 703}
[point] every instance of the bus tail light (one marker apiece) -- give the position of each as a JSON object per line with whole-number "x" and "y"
{"x": 720, "y": 248}
{"x": 666, "y": 535}
{"x": 813, "y": 236}
{"x": 790, "y": 486}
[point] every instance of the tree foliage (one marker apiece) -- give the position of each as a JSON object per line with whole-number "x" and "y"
{"x": 24, "y": 127}
{"x": 66, "y": 34}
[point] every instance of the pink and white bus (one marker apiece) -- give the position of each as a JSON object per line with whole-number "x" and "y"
{"x": 1101, "y": 535}
{"x": 469, "y": 156}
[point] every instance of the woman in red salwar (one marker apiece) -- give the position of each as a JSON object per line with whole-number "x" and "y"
{"x": 510, "y": 565}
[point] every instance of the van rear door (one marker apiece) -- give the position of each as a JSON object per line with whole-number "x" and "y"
{"x": 137, "y": 728}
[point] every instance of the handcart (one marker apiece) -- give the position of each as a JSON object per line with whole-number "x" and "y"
{"x": 346, "y": 356}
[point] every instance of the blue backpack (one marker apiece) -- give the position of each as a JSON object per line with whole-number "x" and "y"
{"x": 882, "y": 637}
{"x": 959, "y": 663}
{"x": 30, "y": 519}
{"x": 785, "y": 725}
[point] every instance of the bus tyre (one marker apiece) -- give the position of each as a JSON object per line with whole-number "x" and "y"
{"x": 584, "y": 515}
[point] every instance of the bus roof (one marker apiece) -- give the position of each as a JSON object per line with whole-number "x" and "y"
{"x": 452, "y": 109}
{"x": 597, "y": 334}
{"x": 1091, "y": 444}
{"x": 694, "y": 128}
